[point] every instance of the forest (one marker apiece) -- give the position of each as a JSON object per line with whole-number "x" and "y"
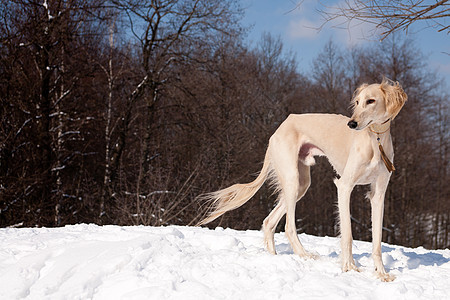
{"x": 124, "y": 112}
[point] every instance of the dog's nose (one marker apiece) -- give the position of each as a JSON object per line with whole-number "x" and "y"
{"x": 352, "y": 124}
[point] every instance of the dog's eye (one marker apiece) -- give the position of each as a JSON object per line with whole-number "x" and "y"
{"x": 357, "y": 102}
{"x": 370, "y": 101}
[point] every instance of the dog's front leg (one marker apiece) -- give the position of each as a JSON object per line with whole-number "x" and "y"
{"x": 344, "y": 191}
{"x": 377, "y": 202}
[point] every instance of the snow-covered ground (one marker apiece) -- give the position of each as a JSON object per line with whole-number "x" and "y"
{"x": 112, "y": 262}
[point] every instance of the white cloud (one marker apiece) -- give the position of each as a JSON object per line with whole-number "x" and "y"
{"x": 352, "y": 33}
{"x": 303, "y": 28}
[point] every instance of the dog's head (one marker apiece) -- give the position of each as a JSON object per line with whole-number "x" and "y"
{"x": 376, "y": 103}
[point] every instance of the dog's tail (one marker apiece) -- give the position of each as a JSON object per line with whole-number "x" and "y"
{"x": 236, "y": 195}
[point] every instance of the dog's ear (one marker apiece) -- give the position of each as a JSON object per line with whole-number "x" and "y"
{"x": 394, "y": 96}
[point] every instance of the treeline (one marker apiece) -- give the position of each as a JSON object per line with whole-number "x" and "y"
{"x": 124, "y": 111}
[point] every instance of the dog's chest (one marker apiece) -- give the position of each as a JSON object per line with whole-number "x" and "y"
{"x": 372, "y": 170}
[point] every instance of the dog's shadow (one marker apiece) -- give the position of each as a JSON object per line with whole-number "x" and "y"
{"x": 401, "y": 258}
{"x": 394, "y": 258}
{"x": 284, "y": 249}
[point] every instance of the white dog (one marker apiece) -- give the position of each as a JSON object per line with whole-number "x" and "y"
{"x": 360, "y": 150}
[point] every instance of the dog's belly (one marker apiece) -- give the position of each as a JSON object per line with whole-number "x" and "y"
{"x": 307, "y": 152}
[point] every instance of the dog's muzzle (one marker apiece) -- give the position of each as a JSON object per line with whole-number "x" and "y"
{"x": 352, "y": 124}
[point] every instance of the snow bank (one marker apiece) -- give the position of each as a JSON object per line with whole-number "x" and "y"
{"x": 112, "y": 262}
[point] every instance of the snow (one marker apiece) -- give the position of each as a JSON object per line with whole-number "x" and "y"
{"x": 112, "y": 262}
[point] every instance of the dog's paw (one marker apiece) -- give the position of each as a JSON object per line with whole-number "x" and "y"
{"x": 385, "y": 277}
{"x": 309, "y": 255}
{"x": 349, "y": 266}
{"x": 270, "y": 247}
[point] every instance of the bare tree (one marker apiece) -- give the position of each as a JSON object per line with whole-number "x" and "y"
{"x": 166, "y": 32}
{"x": 329, "y": 75}
{"x": 43, "y": 64}
{"x": 392, "y": 15}
{"x": 110, "y": 76}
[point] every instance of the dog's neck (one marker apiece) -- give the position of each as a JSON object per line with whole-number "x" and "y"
{"x": 381, "y": 128}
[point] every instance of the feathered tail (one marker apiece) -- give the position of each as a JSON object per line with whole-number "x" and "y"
{"x": 236, "y": 195}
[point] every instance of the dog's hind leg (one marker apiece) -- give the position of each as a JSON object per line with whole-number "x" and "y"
{"x": 293, "y": 191}
{"x": 284, "y": 146}
{"x": 270, "y": 224}
{"x": 271, "y": 221}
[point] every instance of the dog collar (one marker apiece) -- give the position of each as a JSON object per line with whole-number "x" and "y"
{"x": 380, "y": 129}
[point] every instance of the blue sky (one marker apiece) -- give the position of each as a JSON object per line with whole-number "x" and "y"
{"x": 296, "y": 26}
